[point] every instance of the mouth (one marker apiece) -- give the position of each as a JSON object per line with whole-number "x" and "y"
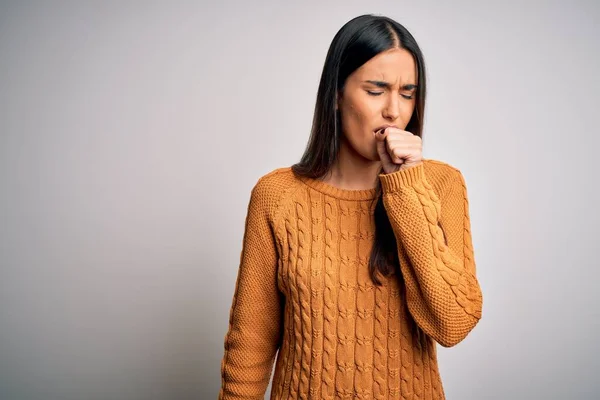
{"x": 383, "y": 127}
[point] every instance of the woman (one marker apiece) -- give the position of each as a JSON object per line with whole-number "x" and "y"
{"x": 357, "y": 260}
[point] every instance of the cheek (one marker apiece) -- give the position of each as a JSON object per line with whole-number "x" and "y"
{"x": 361, "y": 117}
{"x": 358, "y": 126}
{"x": 408, "y": 112}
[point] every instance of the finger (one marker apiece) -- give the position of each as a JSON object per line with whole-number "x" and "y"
{"x": 381, "y": 134}
{"x": 382, "y": 145}
{"x": 396, "y": 132}
{"x": 382, "y": 150}
{"x": 384, "y": 156}
{"x": 398, "y": 155}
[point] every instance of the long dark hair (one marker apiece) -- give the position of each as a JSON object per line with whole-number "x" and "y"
{"x": 359, "y": 40}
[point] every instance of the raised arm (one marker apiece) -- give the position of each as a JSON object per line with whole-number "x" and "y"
{"x": 255, "y": 320}
{"x": 435, "y": 252}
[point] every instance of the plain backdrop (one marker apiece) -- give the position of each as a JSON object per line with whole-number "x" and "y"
{"x": 131, "y": 134}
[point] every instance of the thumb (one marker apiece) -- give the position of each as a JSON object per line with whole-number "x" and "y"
{"x": 380, "y": 137}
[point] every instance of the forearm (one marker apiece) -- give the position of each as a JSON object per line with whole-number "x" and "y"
{"x": 435, "y": 252}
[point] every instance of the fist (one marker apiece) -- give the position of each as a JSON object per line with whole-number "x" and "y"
{"x": 398, "y": 149}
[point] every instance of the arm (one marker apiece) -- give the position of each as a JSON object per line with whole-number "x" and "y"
{"x": 435, "y": 252}
{"x": 255, "y": 322}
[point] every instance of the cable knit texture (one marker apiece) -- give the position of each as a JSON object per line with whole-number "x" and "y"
{"x": 303, "y": 295}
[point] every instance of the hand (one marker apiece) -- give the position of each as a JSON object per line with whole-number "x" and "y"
{"x": 398, "y": 149}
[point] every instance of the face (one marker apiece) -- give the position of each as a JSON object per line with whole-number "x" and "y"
{"x": 381, "y": 92}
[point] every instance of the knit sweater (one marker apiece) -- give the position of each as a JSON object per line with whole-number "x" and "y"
{"x": 303, "y": 290}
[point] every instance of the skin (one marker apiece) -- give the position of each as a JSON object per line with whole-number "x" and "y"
{"x": 364, "y": 107}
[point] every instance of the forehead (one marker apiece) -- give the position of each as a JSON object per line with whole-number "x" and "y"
{"x": 396, "y": 66}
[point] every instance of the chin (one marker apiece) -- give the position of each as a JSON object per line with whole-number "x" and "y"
{"x": 371, "y": 156}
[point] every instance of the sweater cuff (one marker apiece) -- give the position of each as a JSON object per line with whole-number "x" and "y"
{"x": 402, "y": 178}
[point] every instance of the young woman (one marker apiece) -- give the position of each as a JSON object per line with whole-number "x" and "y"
{"x": 357, "y": 260}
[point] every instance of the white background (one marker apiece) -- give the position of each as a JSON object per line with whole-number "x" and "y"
{"x": 131, "y": 134}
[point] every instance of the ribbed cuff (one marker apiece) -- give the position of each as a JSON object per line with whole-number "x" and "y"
{"x": 402, "y": 178}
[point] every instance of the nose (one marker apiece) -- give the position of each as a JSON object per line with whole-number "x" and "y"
{"x": 391, "y": 111}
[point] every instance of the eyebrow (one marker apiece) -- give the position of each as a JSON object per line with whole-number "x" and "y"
{"x": 386, "y": 85}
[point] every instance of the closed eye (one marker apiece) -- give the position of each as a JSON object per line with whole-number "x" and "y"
{"x": 378, "y": 93}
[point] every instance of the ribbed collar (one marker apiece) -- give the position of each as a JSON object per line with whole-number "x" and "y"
{"x": 338, "y": 193}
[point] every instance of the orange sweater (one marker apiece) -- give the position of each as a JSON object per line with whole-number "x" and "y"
{"x": 303, "y": 290}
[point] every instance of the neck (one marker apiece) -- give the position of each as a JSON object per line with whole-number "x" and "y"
{"x": 351, "y": 171}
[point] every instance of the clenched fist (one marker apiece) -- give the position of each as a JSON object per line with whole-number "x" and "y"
{"x": 398, "y": 149}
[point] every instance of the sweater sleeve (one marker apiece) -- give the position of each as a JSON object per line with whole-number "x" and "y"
{"x": 255, "y": 319}
{"x": 435, "y": 252}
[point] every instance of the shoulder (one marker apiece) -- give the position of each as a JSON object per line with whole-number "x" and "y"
{"x": 438, "y": 167}
{"x": 275, "y": 181}
{"x": 272, "y": 187}
{"x": 442, "y": 176}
